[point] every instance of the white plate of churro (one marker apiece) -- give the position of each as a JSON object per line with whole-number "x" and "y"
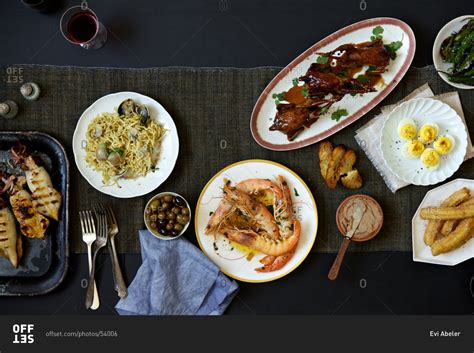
{"x": 257, "y": 220}
{"x": 443, "y": 225}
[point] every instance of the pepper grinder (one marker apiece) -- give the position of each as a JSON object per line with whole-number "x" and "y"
{"x": 8, "y": 109}
{"x": 30, "y": 91}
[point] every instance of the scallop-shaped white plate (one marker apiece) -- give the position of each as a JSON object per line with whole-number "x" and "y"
{"x": 233, "y": 261}
{"x": 422, "y": 252}
{"x": 130, "y": 187}
{"x": 450, "y": 28}
{"x": 422, "y": 111}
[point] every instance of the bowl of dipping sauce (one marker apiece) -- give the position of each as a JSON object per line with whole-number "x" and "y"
{"x": 371, "y": 222}
{"x": 167, "y": 215}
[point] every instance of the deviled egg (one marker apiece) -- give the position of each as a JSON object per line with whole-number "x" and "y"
{"x": 413, "y": 149}
{"x": 407, "y": 129}
{"x": 430, "y": 159}
{"x": 428, "y": 132}
{"x": 444, "y": 144}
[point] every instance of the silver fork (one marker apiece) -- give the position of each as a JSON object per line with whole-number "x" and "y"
{"x": 100, "y": 242}
{"x": 120, "y": 285}
{"x": 89, "y": 236}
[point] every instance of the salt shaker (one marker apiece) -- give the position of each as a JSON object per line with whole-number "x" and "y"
{"x": 8, "y": 109}
{"x": 30, "y": 91}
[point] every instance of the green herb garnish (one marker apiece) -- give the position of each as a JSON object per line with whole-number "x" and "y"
{"x": 377, "y": 33}
{"x": 394, "y": 46}
{"x": 118, "y": 150}
{"x": 296, "y": 192}
{"x": 322, "y": 60}
{"x": 305, "y": 92}
{"x": 295, "y": 81}
{"x": 342, "y": 73}
{"x": 324, "y": 110}
{"x": 362, "y": 79}
{"x": 278, "y": 97}
{"x": 338, "y": 114}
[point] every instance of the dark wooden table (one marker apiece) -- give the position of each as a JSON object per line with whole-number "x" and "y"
{"x": 146, "y": 33}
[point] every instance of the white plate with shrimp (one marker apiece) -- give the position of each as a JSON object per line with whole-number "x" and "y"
{"x": 241, "y": 262}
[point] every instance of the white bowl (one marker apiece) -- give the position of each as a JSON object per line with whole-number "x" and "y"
{"x": 157, "y": 196}
{"x": 448, "y": 29}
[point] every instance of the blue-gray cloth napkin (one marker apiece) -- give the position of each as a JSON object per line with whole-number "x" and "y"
{"x": 176, "y": 278}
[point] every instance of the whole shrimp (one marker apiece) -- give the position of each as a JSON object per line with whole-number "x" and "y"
{"x": 260, "y": 239}
{"x": 273, "y": 234}
{"x": 286, "y": 222}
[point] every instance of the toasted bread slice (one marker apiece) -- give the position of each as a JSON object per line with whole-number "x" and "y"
{"x": 325, "y": 152}
{"x": 352, "y": 180}
{"x": 347, "y": 163}
{"x": 332, "y": 176}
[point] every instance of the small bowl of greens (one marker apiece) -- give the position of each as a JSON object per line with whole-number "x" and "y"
{"x": 453, "y": 52}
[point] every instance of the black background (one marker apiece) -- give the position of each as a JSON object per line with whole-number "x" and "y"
{"x": 244, "y": 34}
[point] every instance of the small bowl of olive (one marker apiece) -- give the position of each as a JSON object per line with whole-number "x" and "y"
{"x": 167, "y": 215}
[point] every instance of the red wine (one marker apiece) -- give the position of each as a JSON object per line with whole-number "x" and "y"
{"x": 82, "y": 27}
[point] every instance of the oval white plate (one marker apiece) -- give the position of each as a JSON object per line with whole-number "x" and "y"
{"x": 422, "y": 111}
{"x": 132, "y": 187}
{"x": 235, "y": 264}
{"x": 265, "y": 109}
{"x": 422, "y": 252}
{"x": 448, "y": 29}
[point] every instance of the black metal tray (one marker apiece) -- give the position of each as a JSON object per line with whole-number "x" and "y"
{"x": 44, "y": 262}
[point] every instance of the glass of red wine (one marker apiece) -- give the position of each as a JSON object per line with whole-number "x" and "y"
{"x": 80, "y": 25}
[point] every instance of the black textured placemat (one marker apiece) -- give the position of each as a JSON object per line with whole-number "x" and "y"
{"x": 211, "y": 108}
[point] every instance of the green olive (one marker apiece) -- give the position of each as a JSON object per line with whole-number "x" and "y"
{"x": 182, "y": 219}
{"x": 185, "y": 211}
{"x": 176, "y": 210}
{"x": 165, "y": 206}
{"x": 161, "y": 215}
{"x": 154, "y": 217}
{"x": 153, "y": 225}
{"x": 168, "y": 198}
{"x": 154, "y": 205}
{"x": 178, "y": 227}
{"x": 169, "y": 226}
{"x": 170, "y": 215}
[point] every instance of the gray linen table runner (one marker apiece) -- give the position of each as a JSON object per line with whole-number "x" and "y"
{"x": 211, "y": 108}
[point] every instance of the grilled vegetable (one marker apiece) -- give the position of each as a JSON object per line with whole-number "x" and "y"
{"x": 10, "y": 241}
{"x": 45, "y": 199}
{"x": 32, "y": 223}
{"x": 458, "y": 50}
